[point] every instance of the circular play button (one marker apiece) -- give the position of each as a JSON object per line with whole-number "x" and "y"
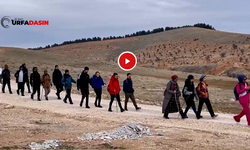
{"x": 127, "y": 61}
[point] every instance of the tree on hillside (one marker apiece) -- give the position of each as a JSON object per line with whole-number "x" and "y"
{"x": 138, "y": 33}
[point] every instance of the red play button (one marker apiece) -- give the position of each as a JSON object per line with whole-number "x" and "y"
{"x": 127, "y": 61}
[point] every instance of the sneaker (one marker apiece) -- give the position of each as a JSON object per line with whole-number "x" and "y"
{"x": 59, "y": 98}
{"x": 235, "y": 118}
{"x": 110, "y": 110}
{"x": 122, "y": 110}
{"x": 38, "y": 99}
{"x": 88, "y": 107}
{"x": 11, "y": 92}
{"x": 29, "y": 92}
{"x": 99, "y": 106}
{"x": 138, "y": 108}
{"x": 125, "y": 109}
{"x": 215, "y": 116}
{"x": 3, "y": 92}
{"x": 165, "y": 117}
{"x": 64, "y": 101}
{"x": 32, "y": 96}
{"x": 47, "y": 98}
{"x": 23, "y": 95}
{"x": 17, "y": 92}
{"x": 95, "y": 105}
{"x": 71, "y": 103}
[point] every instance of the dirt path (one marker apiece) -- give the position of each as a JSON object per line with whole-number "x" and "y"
{"x": 207, "y": 133}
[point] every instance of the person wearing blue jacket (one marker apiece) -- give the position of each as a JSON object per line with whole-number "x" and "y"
{"x": 67, "y": 83}
{"x": 97, "y": 83}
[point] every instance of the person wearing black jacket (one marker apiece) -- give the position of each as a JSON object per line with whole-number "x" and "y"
{"x": 26, "y": 79}
{"x": 84, "y": 86}
{"x": 6, "y": 78}
{"x": 129, "y": 92}
{"x": 57, "y": 78}
{"x": 35, "y": 81}
{"x": 20, "y": 80}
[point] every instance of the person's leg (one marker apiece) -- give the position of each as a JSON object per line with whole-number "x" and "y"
{"x": 69, "y": 95}
{"x": 112, "y": 97}
{"x": 96, "y": 98}
{"x": 38, "y": 88}
{"x": 22, "y": 88}
{"x": 4, "y": 84}
{"x": 33, "y": 91}
{"x": 238, "y": 117}
{"x": 209, "y": 107}
{"x": 166, "y": 113}
{"x": 87, "y": 99}
{"x": 9, "y": 86}
{"x": 18, "y": 88}
{"x": 66, "y": 96}
{"x": 187, "y": 108}
{"x": 28, "y": 85}
{"x": 194, "y": 108}
{"x": 126, "y": 101}
{"x": 119, "y": 102}
{"x": 83, "y": 96}
{"x": 132, "y": 97}
{"x": 201, "y": 102}
{"x": 99, "y": 97}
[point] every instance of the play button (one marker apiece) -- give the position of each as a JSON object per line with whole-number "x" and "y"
{"x": 127, "y": 61}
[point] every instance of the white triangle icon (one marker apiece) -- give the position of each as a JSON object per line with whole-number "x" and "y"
{"x": 126, "y": 61}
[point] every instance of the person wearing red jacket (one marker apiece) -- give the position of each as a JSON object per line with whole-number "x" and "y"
{"x": 114, "y": 90}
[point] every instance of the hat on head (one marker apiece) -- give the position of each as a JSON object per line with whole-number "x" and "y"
{"x": 56, "y": 66}
{"x": 203, "y": 76}
{"x": 86, "y": 68}
{"x": 190, "y": 77}
{"x": 174, "y": 77}
{"x": 66, "y": 71}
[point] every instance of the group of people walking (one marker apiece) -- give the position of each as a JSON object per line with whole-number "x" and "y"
{"x": 171, "y": 103}
{"x": 61, "y": 81}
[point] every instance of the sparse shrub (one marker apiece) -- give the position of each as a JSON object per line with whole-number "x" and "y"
{"x": 222, "y": 55}
{"x": 242, "y": 51}
{"x": 207, "y": 58}
{"x": 220, "y": 47}
{"x": 235, "y": 46}
{"x": 241, "y": 59}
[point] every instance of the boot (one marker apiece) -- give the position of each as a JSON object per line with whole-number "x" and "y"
{"x": 32, "y": 96}
{"x": 11, "y": 92}
{"x": 95, "y": 103}
{"x": 110, "y": 110}
{"x": 183, "y": 116}
{"x": 137, "y": 108}
{"x": 38, "y": 99}
{"x": 17, "y": 91}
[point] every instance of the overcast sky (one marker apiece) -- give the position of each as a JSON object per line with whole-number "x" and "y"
{"x": 73, "y": 19}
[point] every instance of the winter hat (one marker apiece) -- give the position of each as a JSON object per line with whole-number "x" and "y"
{"x": 190, "y": 77}
{"x": 86, "y": 68}
{"x": 174, "y": 77}
{"x": 56, "y": 66}
{"x": 66, "y": 71}
{"x": 203, "y": 76}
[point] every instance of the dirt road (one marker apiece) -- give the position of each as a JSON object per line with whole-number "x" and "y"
{"x": 33, "y": 121}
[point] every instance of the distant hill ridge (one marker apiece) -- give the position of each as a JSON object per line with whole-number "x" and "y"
{"x": 138, "y": 33}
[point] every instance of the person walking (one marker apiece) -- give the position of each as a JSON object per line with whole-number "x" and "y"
{"x": 189, "y": 93}
{"x": 97, "y": 83}
{"x": 67, "y": 83}
{"x": 26, "y": 79}
{"x": 6, "y": 78}
{"x": 129, "y": 92}
{"x": 84, "y": 86}
{"x": 46, "y": 81}
{"x": 203, "y": 94}
{"x": 171, "y": 103}
{"x": 57, "y": 78}
{"x": 243, "y": 90}
{"x": 20, "y": 80}
{"x": 114, "y": 90}
{"x": 35, "y": 82}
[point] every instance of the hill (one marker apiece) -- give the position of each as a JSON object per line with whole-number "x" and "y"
{"x": 160, "y": 55}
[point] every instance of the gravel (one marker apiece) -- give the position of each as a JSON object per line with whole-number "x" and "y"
{"x": 130, "y": 131}
{"x": 48, "y": 144}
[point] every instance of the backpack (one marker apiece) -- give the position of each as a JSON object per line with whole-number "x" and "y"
{"x": 183, "y": 95}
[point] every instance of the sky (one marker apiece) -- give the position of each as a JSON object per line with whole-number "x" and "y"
{"x": 75, "y": 19}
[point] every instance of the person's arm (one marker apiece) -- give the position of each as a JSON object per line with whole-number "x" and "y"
{"x": 63, "y": 83}
{"x": 196, "y": 95}
{"x": 124, "y": 86}
{"x": 111, "y": 86}
{"x": 169, "y": 90}
{"x": 31, "y": 79}
{"x": 16, "y": 74}
{"x": 240, "y": 90}
{"x": 186, "y": 92}
{"x": 54, "y": 78}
